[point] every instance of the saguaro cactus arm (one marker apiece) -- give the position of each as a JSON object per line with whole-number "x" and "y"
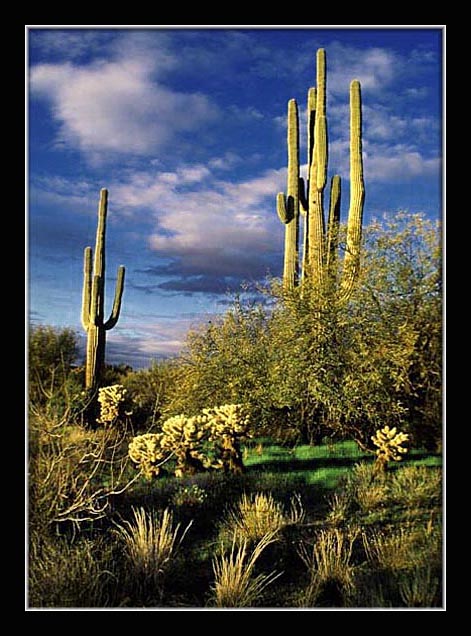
{"x": 288, "y": 207}
{"x": 87, "y": 287}
{"x": 333, "y": 224}
{"x": 357, "y": 193}
{"x": 118, "y": 295}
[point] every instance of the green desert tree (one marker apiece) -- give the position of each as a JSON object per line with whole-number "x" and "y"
{"x": 224, "y": 362}
{"x": 349, "y": 368}
{"x": 51, "y": 354}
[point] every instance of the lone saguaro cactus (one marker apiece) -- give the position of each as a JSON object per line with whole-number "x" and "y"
{"x": 93, "y": 300}
{"x": 320, "y": 263}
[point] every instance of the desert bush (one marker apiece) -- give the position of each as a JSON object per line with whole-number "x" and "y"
{"x": 329, "y": 563}
{"x": 258, "y": 515}
{"x": 189, "y": 496}
{"x": 339, "y": 507}
{"x": 416, "y": 485}
{"x": 151, "y": 542}
{"x": 150, "y": 391}
{"x": 73, "y": 473}
{"x": 235, "y": 581}
{"x": 403, "y": 548}
{"x": 367, "y": 489}
{"x": 64, "y": 574}
{"x": 51, "y": 355}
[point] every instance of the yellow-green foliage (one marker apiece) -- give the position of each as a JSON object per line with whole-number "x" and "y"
{"x": 390, "y": 444}
{"x": 111, "y": 399}
{"x": 147, "y": 453}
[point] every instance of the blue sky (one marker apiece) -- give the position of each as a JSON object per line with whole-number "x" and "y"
{"x": 187, "y": 130}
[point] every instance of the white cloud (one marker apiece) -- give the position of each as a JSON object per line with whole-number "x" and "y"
{"x": 215, "y": 227}
{"x": 385, "y": 162}
{"x": 375, "y": 67}
{"x": 397, "y": 163}
{"x": 117, "y": 107}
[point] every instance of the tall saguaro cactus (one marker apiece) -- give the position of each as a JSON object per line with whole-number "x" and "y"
{"x": 320, "y": 262}
{"x": 93, "y": 300}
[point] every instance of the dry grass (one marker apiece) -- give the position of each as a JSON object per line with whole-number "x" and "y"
{"x": 329, "y": 564}
{"x": 419, "y": 587}
{"x": 67, "y": 575}
{"x": 151, "y": 543}
{"x": 404, "y": 548}
{"x": 235, "y": 583}
{"x": 367, "y": 488}
{"x": 258, "y": 515}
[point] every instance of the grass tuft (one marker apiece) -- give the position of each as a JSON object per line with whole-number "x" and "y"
{"x": 151, "y": 543}
{"x": 259, "y": 515}
{"x": 235, "y": 583}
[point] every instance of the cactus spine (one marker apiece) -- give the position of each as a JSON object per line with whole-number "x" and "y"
{"x": 93, "y": 299}
{"x": 320, "y": 261}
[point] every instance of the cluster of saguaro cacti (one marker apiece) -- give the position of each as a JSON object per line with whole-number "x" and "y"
{"x": 93, "y": 300}
{"x": 319, "y": 262}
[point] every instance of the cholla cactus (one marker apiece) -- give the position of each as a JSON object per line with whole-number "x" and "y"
{"x": 390, "y": 445}
{"x": 228, "y": 425}
{"x": 111, "y": 399}
{"x": 147, "y": 453}
{"x": 185, "y": 437}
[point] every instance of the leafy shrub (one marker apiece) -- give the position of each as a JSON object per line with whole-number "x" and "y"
{"x": 51, "y": 354}
{"x": 63, "y": 574}
{"x": 73, "y": 472}
{"x": 189, "y": 496}
{"x": 366, "y": 488}
{"x": 419, "y": 588}
{"x": 416, "y": 485}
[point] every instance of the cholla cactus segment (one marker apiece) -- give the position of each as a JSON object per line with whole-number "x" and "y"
{"x": 228, "y": 419}
{"x": 186, "y": 437}
{"x": 390, "y": 444}
{"x": 111, "y": 399}
{"x": 228, "y": 425}
{"x": 147, "y": 453}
